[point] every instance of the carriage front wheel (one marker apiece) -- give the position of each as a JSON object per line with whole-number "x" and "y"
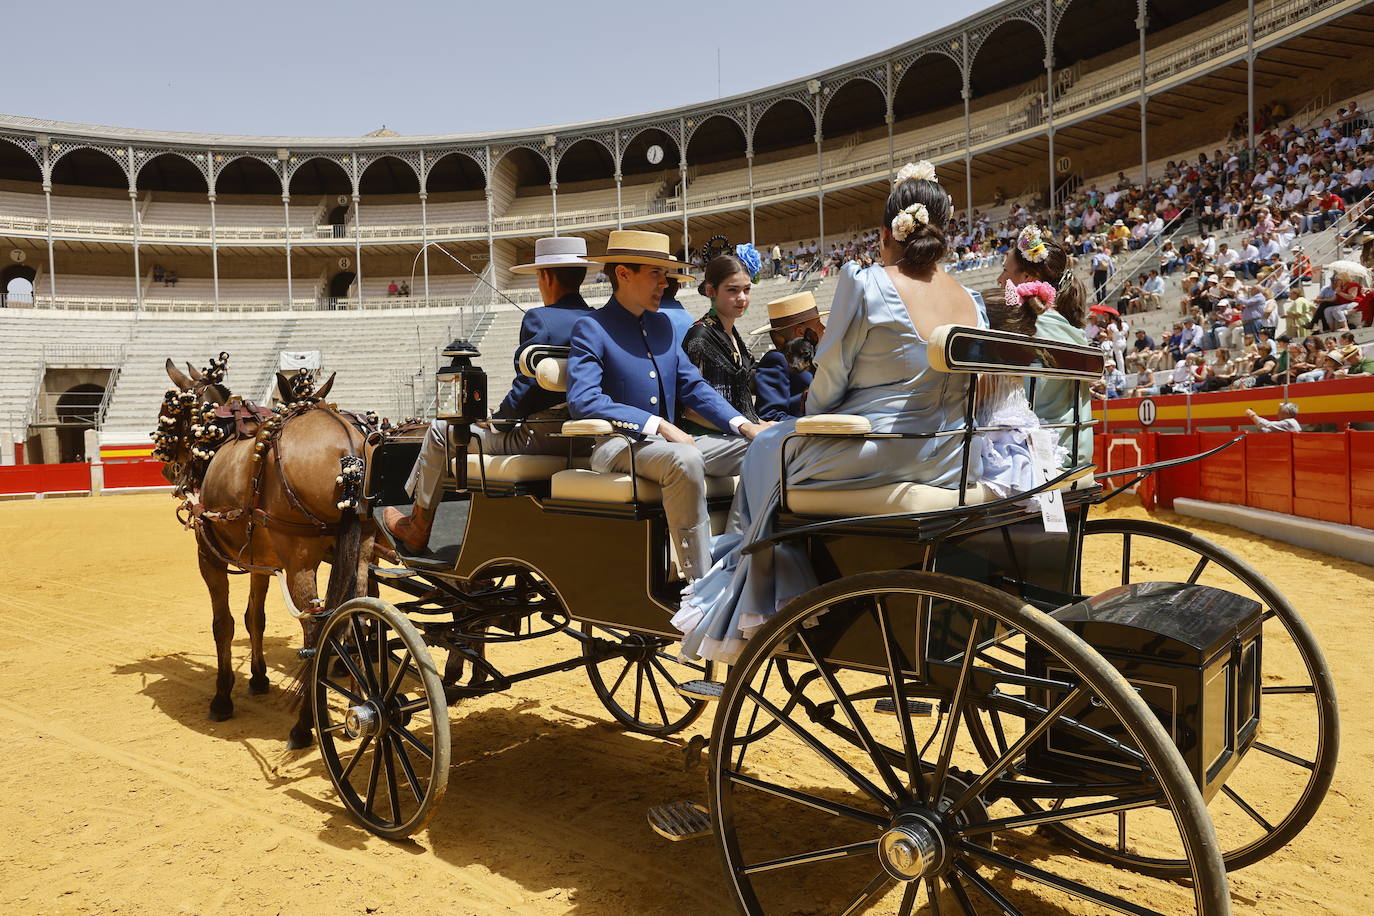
{"x": 873, "y": 795}
{"x": 637, "y": 680}
{"x": 381, "y": 717}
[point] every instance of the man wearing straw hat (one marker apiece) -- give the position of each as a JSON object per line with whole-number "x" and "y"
{"x": 780, "y": 382}
{"x": 561, "y": 265}
{"x": 626, "y": 367}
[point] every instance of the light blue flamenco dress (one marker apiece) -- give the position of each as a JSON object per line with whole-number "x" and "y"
{"x": 871, "y": 362}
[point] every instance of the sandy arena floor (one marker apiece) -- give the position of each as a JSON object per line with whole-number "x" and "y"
{"x": 124, "y": 798}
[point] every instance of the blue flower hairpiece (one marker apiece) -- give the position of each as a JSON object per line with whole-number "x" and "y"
{"x": 750, "y": 257}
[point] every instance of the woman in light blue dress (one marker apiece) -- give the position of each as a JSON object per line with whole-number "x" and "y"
{"x": 871, "y": 362}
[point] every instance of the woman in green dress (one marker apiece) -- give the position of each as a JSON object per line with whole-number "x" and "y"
{"x": 1037, "y": 257}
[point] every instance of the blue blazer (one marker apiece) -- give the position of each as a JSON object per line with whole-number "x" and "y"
{"x": 678, "y": 314}
{"x": 777, "y": 390}
{"x": 549, "y": 324}
{"x": 621, "y": 368}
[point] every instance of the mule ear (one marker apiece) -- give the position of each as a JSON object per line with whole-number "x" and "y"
{"x": 323, "y": 391}
{"x": 193, "y": 372}
{"x": 283, "y": 387}
{"x": 177, "y": 378}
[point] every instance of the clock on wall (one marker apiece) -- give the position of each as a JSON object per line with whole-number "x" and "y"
{"x": 654, "y": 154}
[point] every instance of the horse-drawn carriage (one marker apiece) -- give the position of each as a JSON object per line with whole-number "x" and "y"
{"x": 972, "y": 710}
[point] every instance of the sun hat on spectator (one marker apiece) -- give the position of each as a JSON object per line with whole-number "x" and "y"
{"x": 1229, "y": 275}
{"x": 1350, "y": 354}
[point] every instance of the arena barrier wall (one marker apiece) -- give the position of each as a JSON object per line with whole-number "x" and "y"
{"x": 1348, "y": 400}
{"x": 1323, "y": 476}
{"x": 16, "y": 479}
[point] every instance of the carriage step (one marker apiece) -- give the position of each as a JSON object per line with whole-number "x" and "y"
{"x": 391, "y": 572}
{"x": 887, "y": 707}
{"x": 680, "y": 820}
{"x": 709, "y": 691}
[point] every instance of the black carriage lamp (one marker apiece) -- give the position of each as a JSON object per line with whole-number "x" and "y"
{"x": 461, "y": 386}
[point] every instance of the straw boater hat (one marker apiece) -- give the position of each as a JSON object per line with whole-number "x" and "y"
{"x": 790, "y": 311}
{"x": 562, "y": 251}
{"x": 628, "y": 246}
{"x": 681, "y": 277}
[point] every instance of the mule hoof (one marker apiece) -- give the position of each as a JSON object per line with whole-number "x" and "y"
{"x": 257, "y": 687}
{"x": 300, "y": 739}
{"x": 221, "y": 709}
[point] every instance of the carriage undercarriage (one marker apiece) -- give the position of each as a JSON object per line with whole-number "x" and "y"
{"x": 1003, "y": 717}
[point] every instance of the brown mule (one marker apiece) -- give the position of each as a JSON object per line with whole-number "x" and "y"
{"x": 264, "y": 493}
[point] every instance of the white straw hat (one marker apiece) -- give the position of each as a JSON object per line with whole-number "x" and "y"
{"x": 561, "y": 251}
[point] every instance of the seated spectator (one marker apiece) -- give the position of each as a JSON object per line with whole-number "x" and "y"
{"x": 1191, "y": 339}
{"x": 1286, "y": 423}
{"x": 1219, "y": 371}
{"x": 1114, "y": 381}
{"x": 1153, "y": 291}
{"x": 1144, "y": 385}
{"x": 1302, "y": 359}
{"x": 392, "y": 289}
{"x": 1261, "y": 371}
{"x": 405, "y": 288}
{"x": 1328, "y": 310}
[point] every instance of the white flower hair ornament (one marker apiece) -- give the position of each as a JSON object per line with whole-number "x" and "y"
{"x": 904, "y": 223}
{"x": 1032, "y": 245}
{"x": 921, "y": 171}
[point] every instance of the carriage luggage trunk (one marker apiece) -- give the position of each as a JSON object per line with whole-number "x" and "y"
{"x": 1193, "y": 654}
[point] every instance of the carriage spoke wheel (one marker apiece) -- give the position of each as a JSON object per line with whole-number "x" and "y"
{"x": 381, "y": 717}
{"x": 848, "y": 808}
{"x": 1281, "y": 781}
{"x": 638, "y": 684}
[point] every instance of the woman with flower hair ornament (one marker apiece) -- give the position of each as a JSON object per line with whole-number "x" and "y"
{"x": 871, "y": 362}
{"x": 1039, "y": 272}
{"x": 715, "y": 345}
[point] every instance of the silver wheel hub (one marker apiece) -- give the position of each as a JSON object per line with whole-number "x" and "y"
{"x": 911, "y": 848}
{"x": 362, "y": 721}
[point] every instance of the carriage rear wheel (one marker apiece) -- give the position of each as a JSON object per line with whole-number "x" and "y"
{"x": 1279, "y": 784}
{"x": 873, "y": 796}
{"x": 638, "y": 684}
{"x": 381, "y": 717}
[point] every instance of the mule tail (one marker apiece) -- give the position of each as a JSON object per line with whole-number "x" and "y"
{"x": 343, "y": 571}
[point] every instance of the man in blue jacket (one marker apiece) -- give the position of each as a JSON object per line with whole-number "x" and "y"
{"x": 562, "y": 266}
{"x": 627, "y": 368}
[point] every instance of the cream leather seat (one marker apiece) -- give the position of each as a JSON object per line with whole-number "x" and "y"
{"x": 512, "y": 468}
{"x": 890, "y": 499}
{"x": 613, "y": 487}
{"x": 585, "y": 485}
{"x": 900, "y": 497}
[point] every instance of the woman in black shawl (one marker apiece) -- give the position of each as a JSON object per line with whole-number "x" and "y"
{"x": 714, "y": 344}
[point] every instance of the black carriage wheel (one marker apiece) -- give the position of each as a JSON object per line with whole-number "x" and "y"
{"x": 1304, "y": 755}
{"x": 382, "y": 723}
{"x": 898, "y": 819}
{"x": 638, "y": 684}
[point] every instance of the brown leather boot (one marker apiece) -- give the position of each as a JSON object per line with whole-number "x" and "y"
{"x": 410, "y": 531}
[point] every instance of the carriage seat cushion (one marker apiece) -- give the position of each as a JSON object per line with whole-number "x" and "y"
{"x": 613, "y": 487}
{"x": 513, "y": 468}
{"x": 832, "y": 423}
{"x": 899, "y": 497}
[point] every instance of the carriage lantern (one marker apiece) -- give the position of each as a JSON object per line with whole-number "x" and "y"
{"x": 461, "y": 386}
